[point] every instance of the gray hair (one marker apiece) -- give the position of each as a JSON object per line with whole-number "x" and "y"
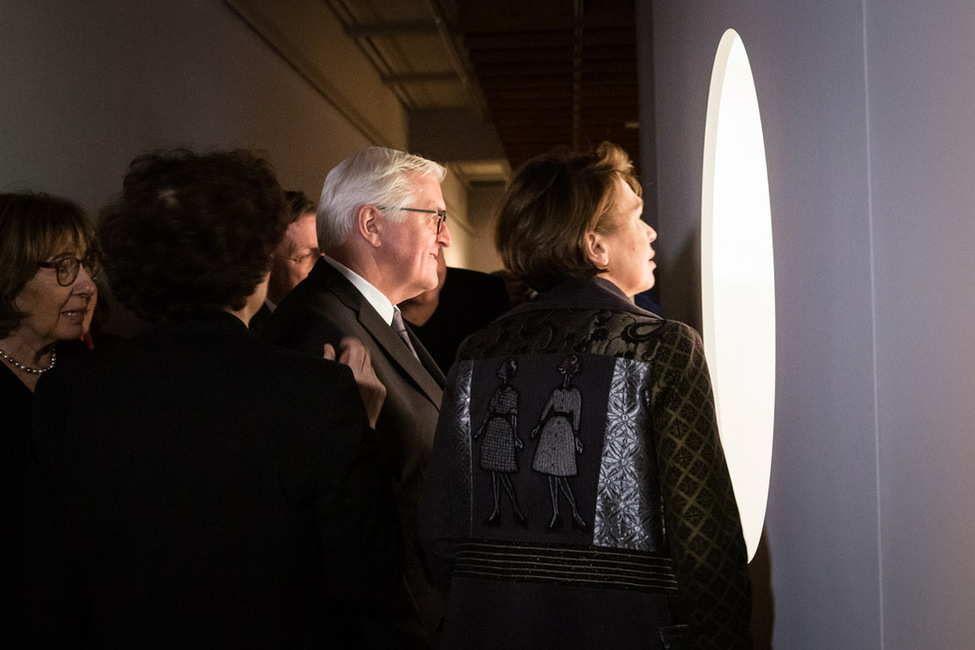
{"x": 374, "y": 176}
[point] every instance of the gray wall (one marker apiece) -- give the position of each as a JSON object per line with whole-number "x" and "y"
{"x": 922, "y": 152}
{"x": 867, "y": 115}
{"x": 86, "y": 86}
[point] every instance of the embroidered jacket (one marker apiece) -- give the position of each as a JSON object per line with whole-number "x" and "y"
{"x": 578, "y": 494}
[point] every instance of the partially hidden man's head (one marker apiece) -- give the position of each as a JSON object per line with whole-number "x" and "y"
{"x": 298, "y": 251}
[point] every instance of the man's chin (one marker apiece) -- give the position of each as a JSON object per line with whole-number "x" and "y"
{"x": 431, "y": 285}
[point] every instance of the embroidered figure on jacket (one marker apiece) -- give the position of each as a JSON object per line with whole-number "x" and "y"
{"x": 500, "y": 432}
{"x": 558, "y": 441}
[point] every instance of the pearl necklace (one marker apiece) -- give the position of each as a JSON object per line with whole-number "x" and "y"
{"x": 28, "y": 369}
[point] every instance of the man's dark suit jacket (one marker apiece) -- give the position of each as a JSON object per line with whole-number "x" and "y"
{"x": 194, "y": 487}
{"x": 325, "y": 307}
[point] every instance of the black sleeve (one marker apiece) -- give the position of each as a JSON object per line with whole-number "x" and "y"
{"x": 351, "y": 495}
{"x": 445, "y": 509}
{"x": 55, "y": 609}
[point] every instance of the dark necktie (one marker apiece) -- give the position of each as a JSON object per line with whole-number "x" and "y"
{"x": 400, "y": 328}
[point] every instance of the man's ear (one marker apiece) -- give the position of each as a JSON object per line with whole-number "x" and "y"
{"x": 596, "y": 250}
{"x": 369, "y": 224}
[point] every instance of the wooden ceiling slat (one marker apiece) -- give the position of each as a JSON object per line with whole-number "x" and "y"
{"x": 485, "y": 42}
{"x": 523, "y": 54}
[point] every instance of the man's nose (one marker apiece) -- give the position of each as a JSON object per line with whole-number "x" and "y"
{"x": 444, "y": 236}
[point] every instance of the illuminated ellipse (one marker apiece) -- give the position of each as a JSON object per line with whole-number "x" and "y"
{"x": 737, "y": 280}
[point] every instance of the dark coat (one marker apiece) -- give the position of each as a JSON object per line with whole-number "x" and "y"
{"x": 15, "y": 399}
{"x": 616, "y": 526}
{"x": 256, "y": 326}
{"x": 194, "y": 487}
{"x": 468, "y": 301}
{"x": 15, "y": 403}
{"x": 324, "y": 308}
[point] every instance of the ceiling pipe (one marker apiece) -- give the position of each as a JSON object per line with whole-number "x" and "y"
{"x": 457, "y": 60}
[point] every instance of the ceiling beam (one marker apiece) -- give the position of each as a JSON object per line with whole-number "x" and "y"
{"x": 389, "y": 29}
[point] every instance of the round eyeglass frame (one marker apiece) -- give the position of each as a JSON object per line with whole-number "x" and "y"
{"x": 67, "y": 269}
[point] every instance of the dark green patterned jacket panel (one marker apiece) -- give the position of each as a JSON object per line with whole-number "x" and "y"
{"x": 701, "y": 514}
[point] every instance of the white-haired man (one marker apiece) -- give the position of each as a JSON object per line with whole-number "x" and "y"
{"x": 381, "y": 225}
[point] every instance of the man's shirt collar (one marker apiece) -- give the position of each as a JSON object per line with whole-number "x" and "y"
{"x": 373, "y": 295}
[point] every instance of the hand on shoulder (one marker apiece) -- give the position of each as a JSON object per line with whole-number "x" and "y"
{"x": 355, "y": 355}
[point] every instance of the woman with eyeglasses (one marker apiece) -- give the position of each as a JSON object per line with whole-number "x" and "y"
{"x": 48, "y": 265}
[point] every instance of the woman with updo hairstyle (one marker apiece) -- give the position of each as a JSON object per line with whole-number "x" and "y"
{"x": 626, "y": 532}
{"x": 48, "y": 265}
{"x": 192, "y": 486}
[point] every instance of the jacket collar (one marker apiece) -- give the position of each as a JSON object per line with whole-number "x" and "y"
{"x": 425, "y": 372}
{"x": 584, "y": 293}
{"x": 218, "y": 323}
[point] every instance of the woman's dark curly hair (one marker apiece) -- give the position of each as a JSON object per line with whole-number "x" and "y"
{"x": 192, "y": 233}
{"x": 551, "y": 204}
{"x": 32, "y": 228}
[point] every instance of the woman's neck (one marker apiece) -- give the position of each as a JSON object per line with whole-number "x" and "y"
{"x": 253, "y": 303}
{"x": 27, "y": 361}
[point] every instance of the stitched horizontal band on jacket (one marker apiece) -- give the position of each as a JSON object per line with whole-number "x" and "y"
{"x": 591, "y": 567}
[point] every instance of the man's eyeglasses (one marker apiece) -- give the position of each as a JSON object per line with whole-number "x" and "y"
{"x": 441, "y": 214}
{"x": 67, "y": 268}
